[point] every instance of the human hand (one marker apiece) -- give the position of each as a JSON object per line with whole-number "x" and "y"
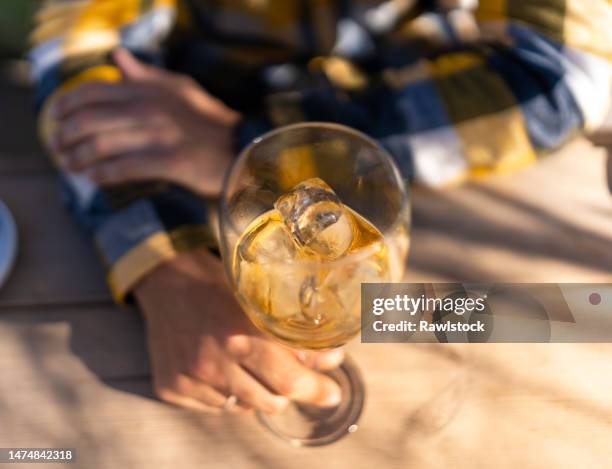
{"x": 154, "y": 124}
{"x": 203, "y": 348}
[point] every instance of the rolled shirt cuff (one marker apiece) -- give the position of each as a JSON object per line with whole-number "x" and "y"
{"x": 137, "y": 239}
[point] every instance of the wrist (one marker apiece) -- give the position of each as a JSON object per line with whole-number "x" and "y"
{"x": 172, "y": 274}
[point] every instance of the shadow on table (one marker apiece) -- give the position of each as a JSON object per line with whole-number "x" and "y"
{"x": 111, "y": 343}
{"x": 534, "y": 232}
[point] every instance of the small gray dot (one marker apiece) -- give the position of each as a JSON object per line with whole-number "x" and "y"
{"x": 353, "y": 428}
{"x": 595, "y": 299}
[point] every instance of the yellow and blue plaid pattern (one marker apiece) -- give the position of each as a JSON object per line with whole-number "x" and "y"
{"x": 453, "y": 88}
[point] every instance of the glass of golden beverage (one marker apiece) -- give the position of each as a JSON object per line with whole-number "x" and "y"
{"x": 309, "y": 212}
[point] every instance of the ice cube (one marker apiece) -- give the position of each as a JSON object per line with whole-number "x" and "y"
{"x": 345, "y": 281}
{"x": 334, "y": 295}
{"x": 273, "y": 290}
{"x": 269, "y": 242}
{"x": 268, "y": 279}
{"x": 316, "y": 218}
{"x": 285, "y": 288}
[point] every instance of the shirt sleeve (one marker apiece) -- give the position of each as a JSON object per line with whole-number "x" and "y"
{"x": 514, "y": 82}
{"x": 136, "y": 227}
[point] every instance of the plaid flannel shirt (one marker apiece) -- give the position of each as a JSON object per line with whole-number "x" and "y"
{"x": 452, "y": 88}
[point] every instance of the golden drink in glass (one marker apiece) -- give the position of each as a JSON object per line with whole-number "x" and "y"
{"x": 309, "y": 213}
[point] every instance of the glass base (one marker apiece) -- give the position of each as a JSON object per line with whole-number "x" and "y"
{"x": 307, "y": 425}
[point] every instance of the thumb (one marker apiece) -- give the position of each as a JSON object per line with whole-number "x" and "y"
{"x": 132, "y": 68}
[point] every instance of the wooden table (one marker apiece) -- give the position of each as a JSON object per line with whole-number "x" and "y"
{"x": 75, "y": 372}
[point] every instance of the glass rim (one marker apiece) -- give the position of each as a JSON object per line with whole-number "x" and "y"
{"x": 224, "y": 202}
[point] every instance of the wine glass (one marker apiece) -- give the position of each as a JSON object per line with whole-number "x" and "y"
{"x": 308, "y": 213}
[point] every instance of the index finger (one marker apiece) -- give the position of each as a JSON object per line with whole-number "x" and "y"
{"x": 280, "y": 370}
{"x": 95, "y": 93}
{"x": 323, "y": 361}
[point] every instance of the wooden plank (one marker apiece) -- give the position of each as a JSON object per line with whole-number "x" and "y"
{"x": 18, "y": 123}
{"x": 56, "y": 260}
{"x": 20, "y": 149}
{"x": 15, "y": 165}
{"x": 428, "y": 405}
{"x": 79, "y": 340}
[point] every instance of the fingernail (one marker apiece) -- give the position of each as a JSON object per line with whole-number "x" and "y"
{"x": 302, "y": 356}
{"x": 330, "y": 359}
{"x": 333, "y": 397}
{"x": 280, "y": 404}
